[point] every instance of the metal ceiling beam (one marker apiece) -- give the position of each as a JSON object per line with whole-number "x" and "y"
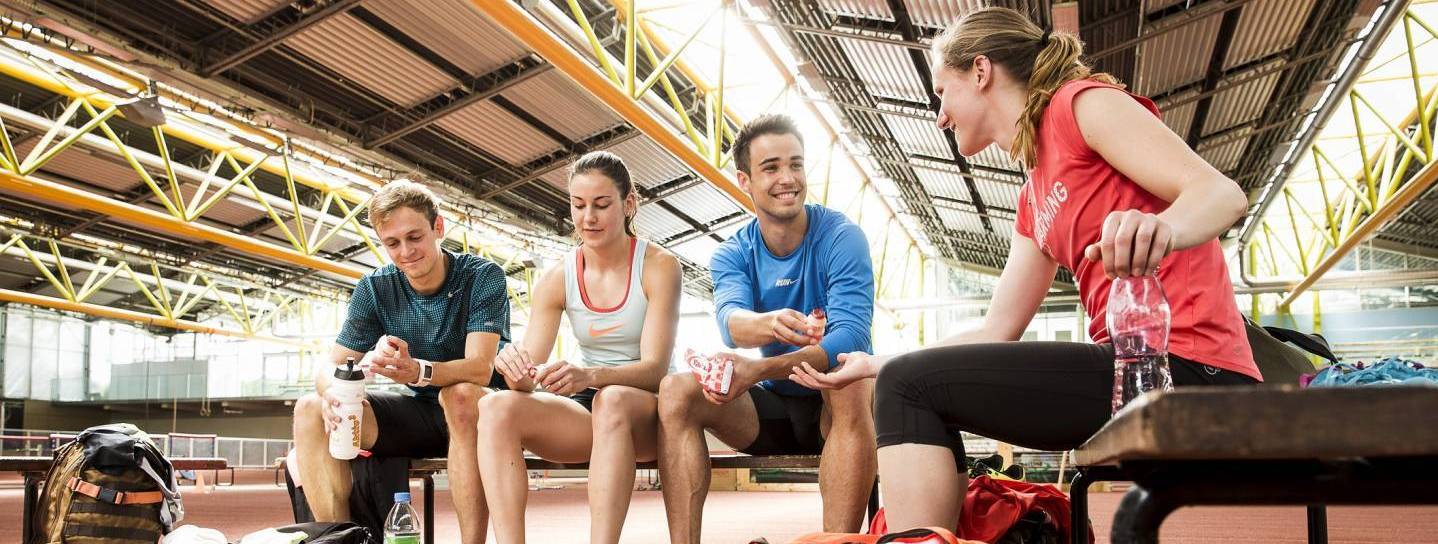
{"x": 854, "y": 23}
{"x": 1382, "y": 241}
{"x": 434, "y": 58}
{"x": 473, "y": 90}
{"x": 488, "y": 85}
{"x": 97, "y": 310}
{"x": 333, "y": 129}
{"x": 926, "y": 78}
{"x": 1104, "y": 24}
{"x": 1183, "y": 19}
{"x": 928, "y": 117}
{"x": 1231, "y": 78}
{"x": 1226, "y": 29}
{"x": 1393, "y": 12}
{"x": 533, "y": 35}
{"x": 38, "y": 189}
{"x": 1414, "y": 188}
{"x": 535, "y": 123}
{"x": 545, "y": 165}
{"x": 277, "y": 37}
{"x": 848, "y": 35}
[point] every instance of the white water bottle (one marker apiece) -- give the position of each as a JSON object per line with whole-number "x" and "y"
{"x": 348, "y": 388}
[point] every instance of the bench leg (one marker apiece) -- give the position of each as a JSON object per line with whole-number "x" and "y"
{"x": 1078, "y": 507}
{"x": 1139, "y": 516}
{"x": 32, "y": 498}
{"x": 1317, "y": 524}
{"x": 428, "y": 509}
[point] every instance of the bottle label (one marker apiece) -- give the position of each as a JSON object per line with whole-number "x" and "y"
{"x": 355, "y": 430}
{"x": 401, "y": 539}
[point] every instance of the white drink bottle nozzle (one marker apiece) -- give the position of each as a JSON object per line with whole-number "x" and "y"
{"x": 348, "y": 388}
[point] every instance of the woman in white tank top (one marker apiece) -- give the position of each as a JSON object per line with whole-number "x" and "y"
{"x": 621, "y": 295}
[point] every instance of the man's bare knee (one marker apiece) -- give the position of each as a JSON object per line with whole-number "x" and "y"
{"x": 678, "y": 394}
{"x": 461, "y": 404}
{"x": 309, "y": 415}
{"x": 852, "y": 404}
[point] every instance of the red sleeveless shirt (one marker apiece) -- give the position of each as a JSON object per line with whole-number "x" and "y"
{"x": 1062, "y": 207}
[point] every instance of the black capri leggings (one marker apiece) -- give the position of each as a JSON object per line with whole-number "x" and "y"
{"x": 1044, "y": 395}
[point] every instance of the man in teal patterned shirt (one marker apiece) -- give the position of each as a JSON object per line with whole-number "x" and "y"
{"x": 444, "y": 316}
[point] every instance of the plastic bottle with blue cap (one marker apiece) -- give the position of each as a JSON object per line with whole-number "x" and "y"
{"x": 401, "y": 526}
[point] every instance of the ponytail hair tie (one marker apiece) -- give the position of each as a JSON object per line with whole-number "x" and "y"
{"x": 1044, "y": 41}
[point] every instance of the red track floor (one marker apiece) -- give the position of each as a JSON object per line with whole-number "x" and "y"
{"x": 561, "y": 516}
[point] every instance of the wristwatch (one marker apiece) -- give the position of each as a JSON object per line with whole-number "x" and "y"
{"x": 426, "y": 373}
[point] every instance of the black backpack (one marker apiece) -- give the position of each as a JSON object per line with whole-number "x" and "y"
{"x": 319, "y": 532}
{"x": 376, "y": 480}
{"x": 1280, "y": 362}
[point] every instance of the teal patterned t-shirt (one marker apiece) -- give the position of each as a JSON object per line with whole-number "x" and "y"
{"x": 473, "y": 298}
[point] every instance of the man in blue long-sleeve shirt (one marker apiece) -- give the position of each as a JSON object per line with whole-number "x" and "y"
{"x": 791, "y": 259}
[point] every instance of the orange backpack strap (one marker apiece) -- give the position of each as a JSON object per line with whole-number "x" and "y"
{"x": 114, "y": 497}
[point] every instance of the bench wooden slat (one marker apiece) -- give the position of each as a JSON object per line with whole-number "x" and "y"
{"x": 42, "y": 464}
{"x": 1270, "y": 422}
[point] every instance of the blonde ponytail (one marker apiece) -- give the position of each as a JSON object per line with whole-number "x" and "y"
{"x": 1044, "y": 61}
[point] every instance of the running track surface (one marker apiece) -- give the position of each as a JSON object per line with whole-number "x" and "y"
{"x": 561, "y": 515}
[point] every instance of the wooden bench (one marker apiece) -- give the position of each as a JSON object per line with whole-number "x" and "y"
{"x": 34, "y": 469}
{"x": 1262, "y": 446}
{"x": 425, "y": 469}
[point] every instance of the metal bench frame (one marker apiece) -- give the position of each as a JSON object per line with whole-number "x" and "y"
{"x": 1270, "y": 445}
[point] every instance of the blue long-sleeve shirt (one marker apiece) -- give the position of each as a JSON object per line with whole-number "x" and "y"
{"x": 830, "y": 269}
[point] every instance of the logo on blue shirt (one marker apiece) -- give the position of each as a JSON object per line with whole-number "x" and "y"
{"x": 785, "y": 282}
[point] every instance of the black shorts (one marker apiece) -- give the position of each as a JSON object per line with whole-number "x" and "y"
{"x": 788, "y": 424}
{"x": 585, "y": 398}
{"x": 409, "y": 426}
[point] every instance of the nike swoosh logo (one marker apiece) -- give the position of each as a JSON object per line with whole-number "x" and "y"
{"x": 596, "y": 333}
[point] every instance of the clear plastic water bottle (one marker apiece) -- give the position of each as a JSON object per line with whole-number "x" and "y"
{"x": 1138, "y": 323}
{"x": 401, "y": 526}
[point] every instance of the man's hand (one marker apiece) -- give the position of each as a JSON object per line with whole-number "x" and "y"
{"x": 327, "y": 409}
{"x": 564, "y": 379}
{"x": 791, "y": 327}
{"x": 744, "y": 377}
{"x": 398, "y": 365}
{"x": 852, "y": 367}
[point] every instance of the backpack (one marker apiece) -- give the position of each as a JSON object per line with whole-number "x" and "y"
{"x": 1279, "y": 362}
{"x": 1008, "y": 512}
{"x": 110, "y": 484}
{"x": 376, "y": 480}
{"x": 320, "y": 532}
{"x": 922, "y": 535}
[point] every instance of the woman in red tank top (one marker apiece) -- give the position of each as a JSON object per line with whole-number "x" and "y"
{"x": 1111, "y": 192}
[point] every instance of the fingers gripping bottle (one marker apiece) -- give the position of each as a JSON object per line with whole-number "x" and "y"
{"x": 1138, "y": 325}
{"x": 348, "y": 388}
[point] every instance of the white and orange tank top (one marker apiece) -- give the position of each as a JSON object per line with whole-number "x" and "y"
{"x": 607, "y": 336}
